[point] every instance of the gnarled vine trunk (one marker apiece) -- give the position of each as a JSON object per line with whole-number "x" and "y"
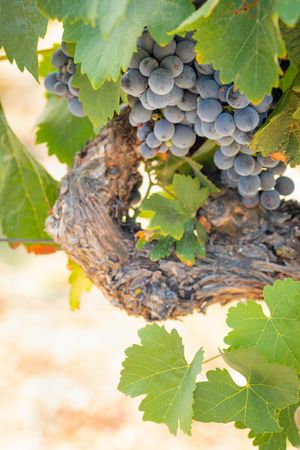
{"x": 247, "y": 248}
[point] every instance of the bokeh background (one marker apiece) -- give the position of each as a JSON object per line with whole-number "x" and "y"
{"x": 60, "y": 369}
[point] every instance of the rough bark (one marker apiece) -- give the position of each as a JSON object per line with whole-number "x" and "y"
{"x": 247, "y": 249}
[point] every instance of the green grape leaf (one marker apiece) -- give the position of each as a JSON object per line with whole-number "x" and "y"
{"x": 172, "y": 213}
{"x": 106, "y": 13}
{"x": 100, "y": 104}
{"x": 288, "y": 10}
{"x": 281, "y": 132}
{"x": 21, "y": 26}
{"x": 63, "y": 133}
{"x": 27, "y": 191}
{"x": 278, "y": 441}
{"x": 162, "y": 248}
{"x": 191, "y": 244}
{"x": 251, "y": 44}
{"x": 158, "y": 369}
{"x": 190, "y": 24}
{"x": 268, "y": 387}
{"x": 277, "y": 337}
{"x": 79, "y": 283}
{"x": 291, "y": 38}
{"x": 102, "y": 59}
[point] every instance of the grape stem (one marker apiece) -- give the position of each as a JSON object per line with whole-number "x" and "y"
{"x": 211, "y": 359}
{"x": 39, "y": 52}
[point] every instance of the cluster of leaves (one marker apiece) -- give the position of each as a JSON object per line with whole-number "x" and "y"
{"x": 264, "y": 350}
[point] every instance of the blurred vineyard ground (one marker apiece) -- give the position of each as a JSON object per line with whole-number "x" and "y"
{"x": 60, "y": 369}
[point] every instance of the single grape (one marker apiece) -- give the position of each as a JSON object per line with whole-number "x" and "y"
{"x": 198, "y": 128}
{"x": 207, "y": 88}
{"x": 164, "y": 130}
{"x": 138, "y": 56}
{"x": 231, "y": 150}
{"x": 248, "y": 186}
{"x": 251, "y": 202}
{"x": 173, "y": 64}
{"x": 188, "y": 102}
{"x": 132, "y": 120}
{"x": 270, "y": 199}
{"x": 267, "y": 180}
{"x": 71, "y": 67}
{"x": 157, "y": 101}
{"x": 161, "y": 81}
{"x": 58, "y": 58}
{"x": 50, "y": 80}
{"x": 246, "y": 119}
{"x": 285, "y": 185}
{"x": 145, "y": 102}
{"x": 205, "y": 69}
{"x": 147, "y": 65}
{"x": 223, "y": 162}
{"x": 152, "y": 141}
{"x": 244, "y": 164}
{"x": 209, "y": 130}
{"x": 191, "y": 116}
{"x": 132, "y": 100}
{"x": 226, "y": 140}
{"x": 232, "y": 174}
{"x": 222, "y": 92}
{"x": 279, "y": 169}
{"x": 177, "y": 151}
{"x": 72, "y": 89}
{"x": 176, "y": 95}
{"x": 76, "y": 108}
{"x": 141, "y": 114}
{"x": 187, "y": 78}
{"x": 246, "y": 150}
{"x": 142, "y": 132}
{"x": 134, "y": 83}
{"x": 146, "y": 42}
{"x": 146, "y": 151}
{"x": 267, "y": 162}
{"x": 185, "y": 51}
{"x": 235, "y": 99}
{"x": 173, "y": 114}
{"x": 184, "y": 137}
{"x": 224, "y": 124}
{"x": 209, "y": 109}
{"x": 60, "y": 88}
{"x": 265, "y": 104}
{"x": 241, "y": 137}
{"x": 160, "y": 52}
{"x": 257, "y": 169}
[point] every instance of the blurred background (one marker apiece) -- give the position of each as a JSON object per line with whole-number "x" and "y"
{"x": 60, "y": 369}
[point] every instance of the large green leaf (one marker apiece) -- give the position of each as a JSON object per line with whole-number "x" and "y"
{"x": 21, "y": 25}
{"x": 27, "y": 191}
{"x": 277, "y": 336}
{"x": 281, "y": 132}
{"x": 288, "y": 10}
{"x": 106, "y": 12}
{"x": 100, "y": 104}
{"x": 292, "y": 42}
{"x": 102, "y": 59}
{"x": 63, "y": 133}
{"x": 158, "y": 369}
{"x": 242, "y": 40}
{"x": 268, "y": 387}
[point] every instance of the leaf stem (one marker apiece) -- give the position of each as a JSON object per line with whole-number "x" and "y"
{"x": 211, "y": 359}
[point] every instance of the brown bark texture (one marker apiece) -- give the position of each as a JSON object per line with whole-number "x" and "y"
{"x": 247, "y": 249}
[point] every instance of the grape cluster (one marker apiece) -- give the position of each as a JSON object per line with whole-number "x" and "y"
{"x": 174, "y": 99}
{"x": 60, "y": 83}
{"x": 160, "y": 84}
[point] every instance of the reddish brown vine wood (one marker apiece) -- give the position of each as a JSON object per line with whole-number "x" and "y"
{"x": 247, "y": 249}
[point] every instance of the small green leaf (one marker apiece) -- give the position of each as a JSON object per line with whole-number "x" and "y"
{"x": 277, "y": 336}
{"x": 158, "y": 369}
{"x": 100, "y": 104}
{"x": 79, "y": 283}
{"x": 190, "y": 245}
{"x": 162, "y": 248}
{"x": 21, "y": 26}
{"x": 288, "y": 10}
{"x": 63, "y": 133}
{"x": 27, "y": 191}
{"x": 102, "y": 59}
{"x": 268, "y": 387}
{"x": 106, "y": 13}
{"x": 189, "y": 196}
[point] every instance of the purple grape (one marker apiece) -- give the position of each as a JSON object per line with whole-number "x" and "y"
{"x": 134, "y": 83}
{"x": 267, "y": 180}
{"x": 138, "y": 56}
{"x": 157, "y": 101}
{"x": 209, "y": 109}
{"x": 224, "y": 124}
{"x": 160, "y": 52}
{"x": 223, "y": 162}
{"x": 76, "y": 108}
{"x": 147, "y": 65}
{"x": 248, "y": 186}
{"x": 187, "y": 78}
{"x": 161, "y": 81}
{"x": 173, "y": 114}
{"x": 185, "y": 51}
{"x": 285, "y": 185}
{"x": 270, "y": 199}
{"x": 173, "y": 64}
{"x": 164, "y": 130}
{"x": 184, "y": 137}
{"x": 246, "y": 119}
{"x": 244, "y": 164}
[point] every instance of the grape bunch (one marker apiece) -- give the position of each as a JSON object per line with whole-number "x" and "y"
{"x": 160, "y": 84}
{"x": 60, "y": 83}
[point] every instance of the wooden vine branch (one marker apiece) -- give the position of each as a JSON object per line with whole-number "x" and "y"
{"x": 247, "y": 249}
